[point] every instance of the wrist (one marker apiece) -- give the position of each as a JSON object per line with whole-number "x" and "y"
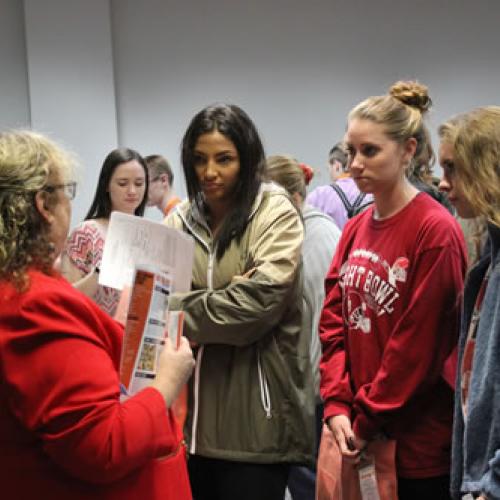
{"x": 164, "y": 390}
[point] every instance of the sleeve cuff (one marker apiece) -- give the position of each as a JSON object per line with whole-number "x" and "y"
{"x": 334, "y": 408}
{"x": 162, "y": 420}
{"x": 175, "y": 302}
{"x": 364, "y": 427}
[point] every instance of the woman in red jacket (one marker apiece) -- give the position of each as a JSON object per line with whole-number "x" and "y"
{"x": 63, "y": 431}
{"x": 391, "y": 315}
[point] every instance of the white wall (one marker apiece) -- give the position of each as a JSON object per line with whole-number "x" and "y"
{"x": 14, "y": 96}
{"x": 71, "y": 86}
{"x": 296, "y": 67}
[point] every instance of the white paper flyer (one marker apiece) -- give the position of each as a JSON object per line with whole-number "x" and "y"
{"x": 134, "y": 241}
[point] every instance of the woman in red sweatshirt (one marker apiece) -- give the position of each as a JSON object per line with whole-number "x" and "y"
{"x": 391, "y": 314}
{"x": 64, "y": 433}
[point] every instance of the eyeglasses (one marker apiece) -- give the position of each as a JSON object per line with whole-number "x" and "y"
{"x": 69, "y": 189}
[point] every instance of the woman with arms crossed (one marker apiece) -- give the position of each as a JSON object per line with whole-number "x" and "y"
{"x": 251, "y": 411}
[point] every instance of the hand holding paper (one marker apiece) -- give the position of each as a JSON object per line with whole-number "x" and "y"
{"x": 174, "y": 369}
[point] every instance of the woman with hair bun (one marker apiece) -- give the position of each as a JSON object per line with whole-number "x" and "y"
{"x": 391, "y": 315}
{"x": 470, "y": 157}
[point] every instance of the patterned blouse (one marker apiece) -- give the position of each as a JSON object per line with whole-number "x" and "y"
{"x": 84, "y": 249}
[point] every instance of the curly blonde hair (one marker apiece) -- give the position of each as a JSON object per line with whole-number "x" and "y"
{"x": 27, "y": 162}
{"x": 401, "y": 112}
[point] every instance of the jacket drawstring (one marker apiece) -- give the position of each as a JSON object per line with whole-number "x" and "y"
{"x": 264, "y": 389}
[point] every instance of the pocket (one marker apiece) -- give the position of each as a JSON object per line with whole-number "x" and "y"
{"x": 170, "y": 479}
{"x": 164, "y": 477}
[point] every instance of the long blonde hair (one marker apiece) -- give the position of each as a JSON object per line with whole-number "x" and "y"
{"x": 475, "y": 139}
{"x": 401, "y": 113}
{"x": 27, "y": 161}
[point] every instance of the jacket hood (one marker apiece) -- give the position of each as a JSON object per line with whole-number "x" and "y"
{"x": 187, "y": 209}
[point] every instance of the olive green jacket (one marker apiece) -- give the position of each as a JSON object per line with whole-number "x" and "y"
{"x": 252, "y": 396}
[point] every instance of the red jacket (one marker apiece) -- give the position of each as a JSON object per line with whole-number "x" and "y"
{"x": 389, "y": 323}
{"x": 63, "y": 431}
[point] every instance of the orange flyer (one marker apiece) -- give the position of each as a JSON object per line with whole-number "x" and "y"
{"x": 148, "y": 322}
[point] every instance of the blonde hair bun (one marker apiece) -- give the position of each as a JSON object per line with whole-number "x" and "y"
{"x": 412, "y": 94}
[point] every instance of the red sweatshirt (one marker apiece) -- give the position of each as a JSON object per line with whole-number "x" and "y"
{"x": 63, "y": 432}
{"x": 390, "y": 321}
